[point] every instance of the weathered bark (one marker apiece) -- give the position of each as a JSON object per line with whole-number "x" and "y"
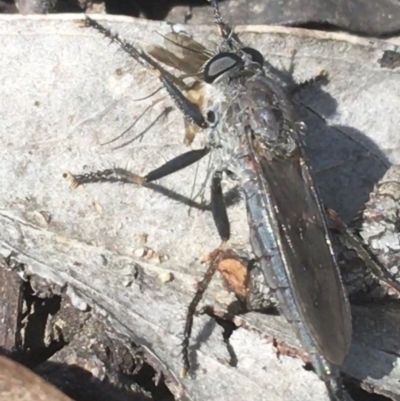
{"x": 67, "y": 91}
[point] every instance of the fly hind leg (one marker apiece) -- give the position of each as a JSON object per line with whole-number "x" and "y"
{"x": 121, "y": 175}
{"x": 221, "y": 220}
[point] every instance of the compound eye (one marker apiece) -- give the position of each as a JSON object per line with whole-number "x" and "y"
{"x": 219, "y": 65}
{"x": 254, "y": 54}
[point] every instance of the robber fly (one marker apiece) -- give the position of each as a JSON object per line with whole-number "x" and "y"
{"x": 253, "y": 135}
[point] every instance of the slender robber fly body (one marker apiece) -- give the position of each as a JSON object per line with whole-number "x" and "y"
{"x": 254, "y": 136}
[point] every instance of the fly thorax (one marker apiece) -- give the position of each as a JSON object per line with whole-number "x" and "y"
{"x": 260, "y": 112}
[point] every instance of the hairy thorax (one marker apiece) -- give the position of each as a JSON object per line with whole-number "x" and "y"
{"x": 251, "y": 111}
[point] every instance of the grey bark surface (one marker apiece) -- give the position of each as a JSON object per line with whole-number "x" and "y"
{"x": 66, "y": 91}
{"x": 357, "y": 16}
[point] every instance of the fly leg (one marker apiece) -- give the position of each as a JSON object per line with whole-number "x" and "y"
{"x": 190, "y": 110}
{"x": 218, "y": 208}
{"x": 221, "y": 220}
{"x": 121, "y": 175}
{"x": 349, "y": 240}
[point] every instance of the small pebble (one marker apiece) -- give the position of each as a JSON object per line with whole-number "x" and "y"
{"x": 143, "y": 238}
{"x": 140, "y": 252}
{"x": 127, "y": 282}
{"x": 165, "y": 277}
{"x": 98, "y": 207}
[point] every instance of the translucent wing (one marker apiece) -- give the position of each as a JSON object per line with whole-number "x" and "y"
{"x": 305, "y": 249}
{"x": 188, "y": 56}
{"x": 182, "y": 53}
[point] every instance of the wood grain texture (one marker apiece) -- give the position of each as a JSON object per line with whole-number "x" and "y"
{"x": 71, "y": 91}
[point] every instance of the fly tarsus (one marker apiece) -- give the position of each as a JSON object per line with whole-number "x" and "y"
{"x": 108, "y": 175}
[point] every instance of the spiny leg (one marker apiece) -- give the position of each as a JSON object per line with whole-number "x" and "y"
{"x": 351, "y": 240}
{"x": 190, "y": 110}
{"x": 121, "y": 175}
{"x": 170, "y": 167}
{"x": 226, "y": 31}
{"x": 191, "y": 310}
{"x": 222, "y": 222}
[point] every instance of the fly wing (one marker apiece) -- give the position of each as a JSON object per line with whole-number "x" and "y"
{"x": 181, "y": 52}
{"x": 166, "y": 57}
{"x": 186, "y": 47}
{"x": 188, "y": 56}
{"x": 304, "y": 246}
